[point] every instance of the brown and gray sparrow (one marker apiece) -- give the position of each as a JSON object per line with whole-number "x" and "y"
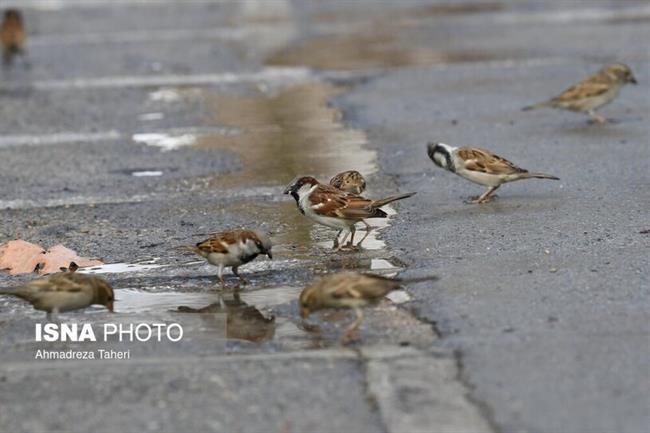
{"x": 593, "y": 92}
{"x": 346, "y": 290}
{"x": 64, "y": 292}
{"x": 233, "y": 248}
{"x": 12, "y": 36}
{"x": 479, "y": 166}
{"x": 349, "y": 181}
{"x": 336, "y": 209}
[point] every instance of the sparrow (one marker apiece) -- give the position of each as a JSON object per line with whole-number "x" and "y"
{"x": 346, "y": 290}
{"x": 479, "y": 166}
{"x": 233, "y": 248}
{"x": 349, "y": 181}
{"x": 12, "y": 36}
{"x": 593, "y": 92}
{"x": 64, "y": 292}
{"x": 336, "y": 209}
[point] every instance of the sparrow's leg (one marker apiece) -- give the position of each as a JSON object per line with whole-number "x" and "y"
{"x": 350, "y": 245}
{"x": 485, "y": 197}
{"x": 341, "y": 244}
{"x": 53, "y": 316}
{"x": 353, "y": 230}
{"x": 368, "y": 228}
{"x": 351, "y": 334}
{"x": 243, "y": 280}
{"x": 220, "y": 273}
{"x": 336, "y": 240}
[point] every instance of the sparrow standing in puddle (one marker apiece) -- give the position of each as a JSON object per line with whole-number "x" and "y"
{"x": 346, "y": 290}
{"x": 349, "y": 181}
{"x": 64, "y": 292}
{"x": 12, "y": 36}
{"x": 337, "y": 209}
{"x": 233, "y": 248}
{"x": 593, "y": 92}
{"x": 479, "y": 166}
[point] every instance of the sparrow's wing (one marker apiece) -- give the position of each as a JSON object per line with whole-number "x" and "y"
{"x": 67, "y": 282}
{"x": 592, "y": 86}
{"x": 345, "y": 291}
{"x": 484, "y": 161}
{"x": 363, "y": 286}
{"x": 53, "y": 284}
{"x": 331, "y": 202}
{"x": 216, "y": 244}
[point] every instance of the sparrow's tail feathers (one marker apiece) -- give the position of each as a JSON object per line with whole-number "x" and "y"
{"x": 536, "y": 106}
{"x": 385, "y": 201}
{"x": 539, "y": 176}
{"x": 8, "y": 291}
{"x": 418, "y": 279}
{"x": 190, "y": 248}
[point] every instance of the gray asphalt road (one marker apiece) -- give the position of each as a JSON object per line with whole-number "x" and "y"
{"x": 141, "y": 126}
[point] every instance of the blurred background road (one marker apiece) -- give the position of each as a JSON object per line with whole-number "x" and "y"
{"x": 138, "y": 126}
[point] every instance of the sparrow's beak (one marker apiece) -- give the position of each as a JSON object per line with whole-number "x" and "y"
{"x": 268, "y": 253}
{"x": 288, "y": 189}
{"x": 633, "y": 80}
{"x": 110, "y": 306}
{"x": 304, "y": 312}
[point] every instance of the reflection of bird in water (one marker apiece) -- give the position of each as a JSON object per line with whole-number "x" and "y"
{"x": 243, "y": 321}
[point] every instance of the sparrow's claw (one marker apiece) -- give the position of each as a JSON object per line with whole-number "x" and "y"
{"x": 477, "y": 199}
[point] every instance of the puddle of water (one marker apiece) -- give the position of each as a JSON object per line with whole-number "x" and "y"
{"x": 426, "y": 11}
{"x": 119, "y": 268}
{"x": 135, "y": 301}
{"x": 399, "y": 296}
{"x": 368, "y": 51}
{"x": 242, "y": 321}
{"x": 165, "y": 141}
{"x": 266, "y": 298}
{"x": 285, "y": 133}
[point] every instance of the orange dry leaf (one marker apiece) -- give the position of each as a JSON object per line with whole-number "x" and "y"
{"x": 20, "y": 257}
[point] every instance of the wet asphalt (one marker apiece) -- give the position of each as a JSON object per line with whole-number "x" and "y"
{"x": 142, "y": 127}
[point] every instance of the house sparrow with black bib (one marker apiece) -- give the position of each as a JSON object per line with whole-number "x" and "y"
{"x": 64, "y": 292}
{"x": 593, "y": 92}
{"x": 233, "y": 248}
{"x": 479, "y": 166}
{"x": 349, "y": 181}
{"x": 12, "y": 36}
{"x": 346, "y": 290}
{"x": 336, "y": 209}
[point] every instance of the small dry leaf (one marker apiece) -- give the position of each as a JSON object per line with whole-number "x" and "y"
{"x": 21, "y": 257}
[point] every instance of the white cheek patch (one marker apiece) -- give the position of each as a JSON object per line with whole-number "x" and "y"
{"x": 441, "y": 160}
